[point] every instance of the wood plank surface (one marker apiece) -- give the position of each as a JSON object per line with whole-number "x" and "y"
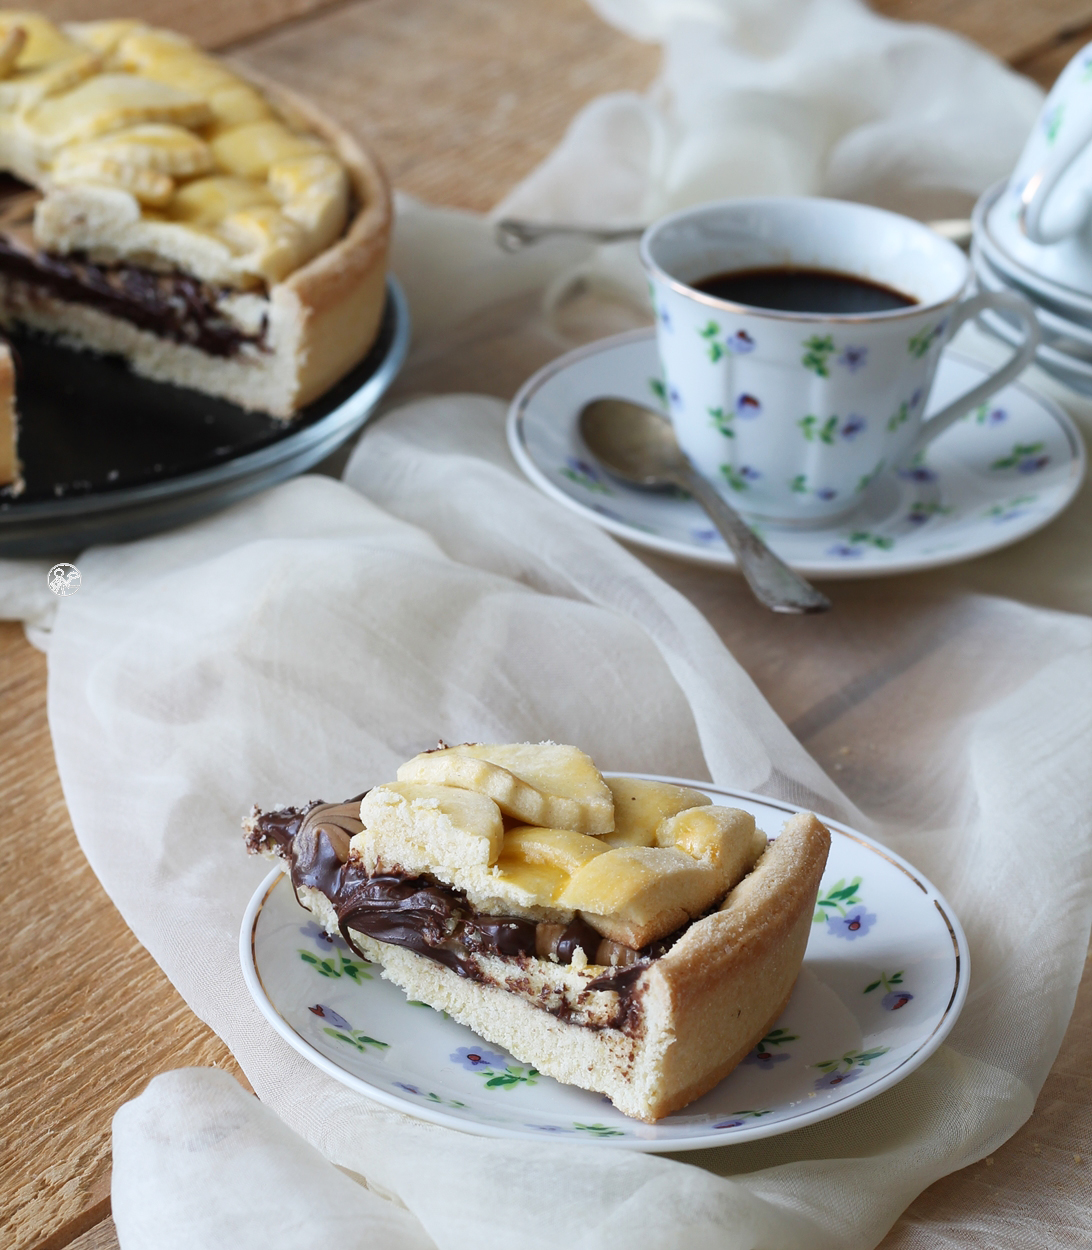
{"x": 1014, "y": 30}
{"x": 1045, "y": 63}
{"x": 86, "y": 1016}
{"x": 101, "y": 1236}
{"x": 211, "y": 25}
{"x": 461, "y": 98}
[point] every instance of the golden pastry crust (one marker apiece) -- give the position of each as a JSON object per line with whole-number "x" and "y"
{"x": 724, "y": 983}
{"x": 342, "y": 291}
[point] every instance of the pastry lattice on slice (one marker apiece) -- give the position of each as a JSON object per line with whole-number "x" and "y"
{"x": 537, "y": 783}
{"x": 642, "y": 958}
{"x": 216, "y": 232}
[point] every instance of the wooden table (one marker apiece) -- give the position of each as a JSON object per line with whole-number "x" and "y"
{"x": 459, "y": 110}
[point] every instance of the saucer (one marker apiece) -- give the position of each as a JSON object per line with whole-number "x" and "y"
{"x": 999, "y": 474}
{"x": 884, "y": 978}
{"x": 1054, "y": 326}
{"x": 1075, "y": 371}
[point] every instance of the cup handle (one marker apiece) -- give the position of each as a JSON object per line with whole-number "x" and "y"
{"x": 1037, "y": 190}
{"x": 1006, "y": 301}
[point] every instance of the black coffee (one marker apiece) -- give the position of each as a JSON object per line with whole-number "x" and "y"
{"x": 788, "y": 289}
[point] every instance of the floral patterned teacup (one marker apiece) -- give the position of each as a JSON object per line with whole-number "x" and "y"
{"x": 1051, "y": 179}
{"x": 1043, "y": 219}
{"x": 793, "y": 415}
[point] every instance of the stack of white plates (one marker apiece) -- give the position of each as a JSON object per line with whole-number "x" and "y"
{"x": 1004, "y": 259}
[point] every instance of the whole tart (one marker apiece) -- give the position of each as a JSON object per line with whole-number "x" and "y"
{"x": 213, "y": 229}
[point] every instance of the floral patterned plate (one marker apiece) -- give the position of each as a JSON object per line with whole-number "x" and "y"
{"x": 998, "y": 475}
{"x": 884, "y": 979}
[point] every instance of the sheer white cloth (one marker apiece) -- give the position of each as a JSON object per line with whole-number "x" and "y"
{"x": 787, "y": 97}
{"x": 308, "y": 640}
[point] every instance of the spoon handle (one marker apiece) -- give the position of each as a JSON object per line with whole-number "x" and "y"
{"x": 771, "y": 579}
{"x": 514, "y": 235}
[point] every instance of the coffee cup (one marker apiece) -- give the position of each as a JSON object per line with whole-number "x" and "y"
{"x": 1052, "y": 182}
{"x": 793, "y": 413}
{"x": 1043, "y": 218}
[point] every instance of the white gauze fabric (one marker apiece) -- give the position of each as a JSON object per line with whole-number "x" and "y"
{"x": 786, "y": 97}
{"x": 307, "y": 641}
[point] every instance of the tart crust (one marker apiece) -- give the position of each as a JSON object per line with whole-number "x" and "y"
{"x": 339, "y": 295}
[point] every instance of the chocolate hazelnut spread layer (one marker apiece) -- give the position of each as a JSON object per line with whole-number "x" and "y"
{"x": 421, "y": 913}
{"x": 169, "y": 304}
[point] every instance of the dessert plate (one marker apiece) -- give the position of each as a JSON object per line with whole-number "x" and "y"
{"x": 1000, "y": 473}
{"x": 884, "y": 979}
{"x": 110, "y": 456}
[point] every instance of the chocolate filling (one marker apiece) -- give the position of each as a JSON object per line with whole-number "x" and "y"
{"x": 170, "y": 305}
{"x": 420, "y": 913}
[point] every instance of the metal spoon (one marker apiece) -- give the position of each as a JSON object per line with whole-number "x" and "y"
{"x": 513, "y": 234}
{"x": 638, "y": 445}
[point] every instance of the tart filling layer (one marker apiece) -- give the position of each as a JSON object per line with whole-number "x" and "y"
{"x": 436, "y": 920}
{"x": 170, "y": 305}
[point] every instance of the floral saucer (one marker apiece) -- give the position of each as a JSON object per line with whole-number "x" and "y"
{"x": 999, "y": 474}
{"x": 884, "y": 979}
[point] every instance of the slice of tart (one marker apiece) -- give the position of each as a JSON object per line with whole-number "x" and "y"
{"x": 641, "y": 952}
{"x": 214, "y": 231}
